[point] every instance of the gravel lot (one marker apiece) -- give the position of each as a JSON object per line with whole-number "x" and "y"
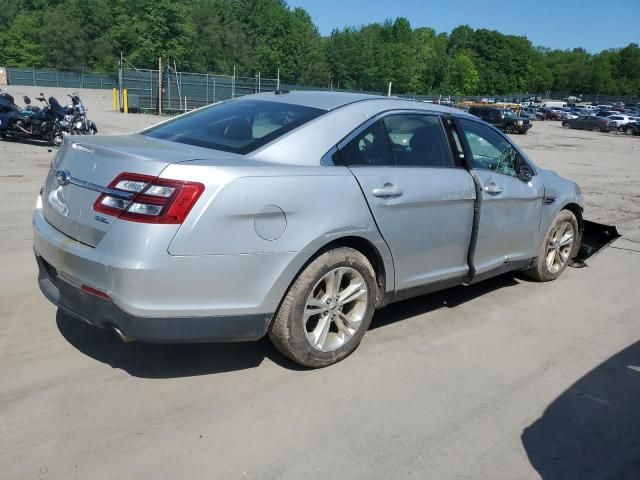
{"x": 503, "y": 380}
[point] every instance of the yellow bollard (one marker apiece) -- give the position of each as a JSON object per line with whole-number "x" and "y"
{"x": 126, "y": 101}
{"x": 115, "y": 100}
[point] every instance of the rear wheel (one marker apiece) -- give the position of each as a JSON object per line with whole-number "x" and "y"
{"x": 559, "y": 246}
{"x": 327, "y": 310}
{"x": 628, "y": 130}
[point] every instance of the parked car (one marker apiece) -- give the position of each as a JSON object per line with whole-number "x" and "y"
{"x": 503, "y": 118}
{"x": 606, "y": 113}
{"x": 631, "y": 128}
{"x": 619, "y": 120}
{"x": 590, "y": 122}
{"x": 534, "y": 113}
{"x": 566, "y": 115}
{"x": 529, "y": 116}
{"x": 294, "y": 215}
{"x": 553, "y": 104}
{"x": 549, "y": 114}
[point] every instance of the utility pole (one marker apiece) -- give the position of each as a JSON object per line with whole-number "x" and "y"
{"x": 159, "y": 85}
{"x": 233, "y": 82}
{"x": 278, "y": 81}
{"x": 120, "y": 81}
{"x": 389, "y": 91}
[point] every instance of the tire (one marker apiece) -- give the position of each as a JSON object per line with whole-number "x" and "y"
{"x": 566, "y": 124}
{"x": 304, "y": 340}
{"x": 544, "y": 270}
{"x": 628, "y": 131}
{"x": 55, "y": 138}
{"x": 510, "y": 129}
{"x": 595, "y": 129}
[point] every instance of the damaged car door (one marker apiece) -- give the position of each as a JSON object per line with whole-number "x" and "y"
{"x": 510, "y": 202}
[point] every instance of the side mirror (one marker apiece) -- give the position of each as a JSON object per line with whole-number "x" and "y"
{"x": 27, "y": 100}
{"x": 525, "y": 173}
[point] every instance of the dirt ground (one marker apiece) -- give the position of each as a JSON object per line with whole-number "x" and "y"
{"x": 506, "y": 379}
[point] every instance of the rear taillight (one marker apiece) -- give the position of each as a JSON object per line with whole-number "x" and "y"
{"x": 153, "y": 200}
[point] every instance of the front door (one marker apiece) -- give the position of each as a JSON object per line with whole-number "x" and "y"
{"x": 510, "y": 208}
{"x": 422, "y": 202}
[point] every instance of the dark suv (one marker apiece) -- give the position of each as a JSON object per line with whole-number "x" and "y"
{"x": 502, "y": 118}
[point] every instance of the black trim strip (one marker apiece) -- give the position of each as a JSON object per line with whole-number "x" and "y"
{"x": 477, "y": 204}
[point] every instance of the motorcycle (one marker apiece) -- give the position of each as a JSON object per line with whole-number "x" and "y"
{"x": 31, "y": 122}
{"x": 77, "y": 119}
{"x": 51, "y": 122}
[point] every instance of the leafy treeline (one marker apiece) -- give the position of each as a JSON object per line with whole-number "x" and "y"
{"x": 266, "y": 35}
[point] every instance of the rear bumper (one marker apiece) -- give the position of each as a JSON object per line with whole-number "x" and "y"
{"x": 105, "y": 314}
{"x": 158, "y": 297}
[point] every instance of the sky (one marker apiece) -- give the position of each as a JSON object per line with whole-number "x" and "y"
{"x": 592, "y": 25}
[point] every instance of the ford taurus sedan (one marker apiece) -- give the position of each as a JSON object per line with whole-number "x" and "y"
{"x": 295, "y": 215}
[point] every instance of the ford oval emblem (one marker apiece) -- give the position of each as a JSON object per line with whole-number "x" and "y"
{"x": 63, "y": 177}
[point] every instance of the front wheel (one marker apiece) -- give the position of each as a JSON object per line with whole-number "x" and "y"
{"x": 628, "y": 130}
{"x": 327, "y": 310}
{"x": 56, "y": 137}
{"x": 510, "y": 129}
{"x": 559, "y": 246}
{"x": 566, "y": 124}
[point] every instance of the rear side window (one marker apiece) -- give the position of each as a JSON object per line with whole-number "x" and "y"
{"x": 370, "y": 147}
{"x": 418, "y": 141}
{"x": 235, "y": 126}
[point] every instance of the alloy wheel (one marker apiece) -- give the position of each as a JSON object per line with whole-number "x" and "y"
{"x": 560, "y": 247}
{"x": 335, "y": 309}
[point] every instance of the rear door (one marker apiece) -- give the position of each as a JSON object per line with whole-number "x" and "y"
{"x": 510, "y": 208}
{"x": 422, "y": 202}
{"x": 494, "y": 117}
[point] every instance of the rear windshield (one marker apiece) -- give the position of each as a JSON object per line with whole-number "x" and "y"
{"x": 235, "y": 126}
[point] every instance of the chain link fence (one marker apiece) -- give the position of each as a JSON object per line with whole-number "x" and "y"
{"x": 183, "y": 91}
{"x": 55, "y": 78}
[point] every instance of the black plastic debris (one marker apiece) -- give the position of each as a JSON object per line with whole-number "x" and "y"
{"x": 595, "y": 238}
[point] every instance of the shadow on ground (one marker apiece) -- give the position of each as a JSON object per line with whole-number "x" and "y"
{"x": 148, "y": 360}
{"x": 592, "y": 431}
{"x": 449, "y": 298}
{"x": 153, "y": 360}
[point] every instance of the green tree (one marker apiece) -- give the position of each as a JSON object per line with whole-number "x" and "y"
{"x": 463, "y": 77}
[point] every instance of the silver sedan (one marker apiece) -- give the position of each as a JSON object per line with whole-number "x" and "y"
{"x": 292, "y": 214}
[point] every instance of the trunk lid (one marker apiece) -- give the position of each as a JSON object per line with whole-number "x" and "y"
{"x": 98, "y": 160}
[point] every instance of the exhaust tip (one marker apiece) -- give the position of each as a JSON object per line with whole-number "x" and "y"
{"x": 120, "y": 335}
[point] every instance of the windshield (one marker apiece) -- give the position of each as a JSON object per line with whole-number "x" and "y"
{"x": 235, "y": 126}
{"x": 509, "y": 113}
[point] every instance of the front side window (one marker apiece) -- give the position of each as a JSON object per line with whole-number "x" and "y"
{"x": 235, "y": 126}
{"x": 490, "y": 150}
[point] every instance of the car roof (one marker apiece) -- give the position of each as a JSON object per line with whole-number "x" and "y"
{"x": 332, "y": 100}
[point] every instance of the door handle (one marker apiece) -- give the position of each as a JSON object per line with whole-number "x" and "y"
{"x": 389, "y": 190}
{"x": 493, "y": 189}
